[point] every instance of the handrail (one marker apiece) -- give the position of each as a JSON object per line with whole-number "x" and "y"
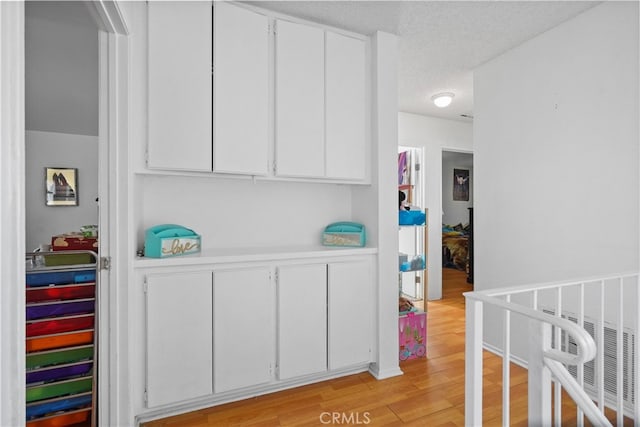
{"x": 578, "y": 394}
{"x": 520, "y": 289}
{"x": 585, "y": 344}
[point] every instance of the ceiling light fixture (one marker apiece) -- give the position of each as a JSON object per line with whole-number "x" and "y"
{"x": 442, "y": 99}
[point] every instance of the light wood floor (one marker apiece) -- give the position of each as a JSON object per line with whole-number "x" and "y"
{"x": 430, "y": 393}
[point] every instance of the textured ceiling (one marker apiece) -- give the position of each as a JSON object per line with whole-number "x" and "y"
{"x": 440, "y": 42}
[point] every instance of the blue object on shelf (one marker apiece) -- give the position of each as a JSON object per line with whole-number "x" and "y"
{"x": 417, "y": 263}
{"x": 168, "y": 240}
{"x": 411, "y": 217}
{"x": 60, "y": 277}
{"x": 344, "y": 233}
{"x": 39, "y": 409}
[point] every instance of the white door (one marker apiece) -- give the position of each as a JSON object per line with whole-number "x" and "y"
{"x": 299, "y": 96}
{"x": 302, "y": 320}
{"x": 244, "y": 335}
{"x": 241, "y": 90}
{"x": 350, "y": 286}
{"x": 179, "y": 86}
{"x": 346, "y": 107}
{"x": 179, "y": 337}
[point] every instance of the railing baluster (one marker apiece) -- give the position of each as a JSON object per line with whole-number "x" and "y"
{"x": 557, "y": 387}
{"x": 506, "y": 357}
{"x": 636, "y": 346}
{"x": 600, "y": 349}
{"x": 619, "y": 355}
{"x": 580, "y": 415}
{"x": 473, "y": 363}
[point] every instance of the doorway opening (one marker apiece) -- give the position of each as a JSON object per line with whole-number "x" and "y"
{"x": 457, "y": 222}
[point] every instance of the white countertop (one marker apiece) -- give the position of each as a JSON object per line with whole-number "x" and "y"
{"x": 231, "y": 255}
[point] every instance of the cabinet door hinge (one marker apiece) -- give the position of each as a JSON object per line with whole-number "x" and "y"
{"x": 272, "y": 28}
{"x": 277, "y": 276}
{"x": 145, "y": 396}
{"x": 145, "y": 285}
{"x": 105, "y": 263}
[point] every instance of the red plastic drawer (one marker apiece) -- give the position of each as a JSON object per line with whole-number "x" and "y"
{"x": 61, "y": 292}
{"x": 59, "y": 325}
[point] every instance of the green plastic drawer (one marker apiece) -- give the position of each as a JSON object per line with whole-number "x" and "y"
{"x": 61, "y": 388}
{"x": 57, "y": 357}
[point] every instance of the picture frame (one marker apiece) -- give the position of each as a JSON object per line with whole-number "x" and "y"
{"x": 61, "y": 186}
{"x": 461, "y": 185}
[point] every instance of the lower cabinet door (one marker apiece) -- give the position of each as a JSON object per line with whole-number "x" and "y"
{"x": 179, "y": 337}
{"x": 244, "y": 335}
{"x": 350, "y": 302}
{"x": 302, "y": 320}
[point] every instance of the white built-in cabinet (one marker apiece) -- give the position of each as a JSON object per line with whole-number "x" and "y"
{"x": 350, "y": 330}
{"x": 302, "y": 320}
{"x": 345, "y": 101}
{"x": 233, "y": 90}
{"x": 243, "y": 328}
{"x": 211, "y": 330}
{"x": 240, "y": 91}
{"x": 179, "y": 86}
{"x": 299, "y": 100}
{"x": 179, "y": 337}
{"x": 320, "y": 103}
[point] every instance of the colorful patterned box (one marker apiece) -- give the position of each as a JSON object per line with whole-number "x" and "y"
{"x": 74, "y": 242}
{"x": 412, "y": 331}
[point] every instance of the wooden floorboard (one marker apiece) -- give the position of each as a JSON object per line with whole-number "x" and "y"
{"x": 430, "y": 393}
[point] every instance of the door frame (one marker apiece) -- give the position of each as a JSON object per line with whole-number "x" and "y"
{"x": 113, "y": 131}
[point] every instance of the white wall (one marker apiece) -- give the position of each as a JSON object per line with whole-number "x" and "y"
{"x": 61, "y": 73}
{"x": 455, "y": 211}
{"x": 434, "y": 135}
{"x": 556, "y": 153}
{"x": 49, "y": 149}
{"x": 238, "y": 213}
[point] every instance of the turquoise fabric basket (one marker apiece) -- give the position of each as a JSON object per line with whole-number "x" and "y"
{"x": 411, "y": 217}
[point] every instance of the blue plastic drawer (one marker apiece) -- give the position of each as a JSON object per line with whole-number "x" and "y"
{"x": 60, "y": 277}
{"x": 61, "y": 404}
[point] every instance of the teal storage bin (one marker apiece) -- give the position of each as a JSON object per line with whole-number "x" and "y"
{"x": 344, "y": 234}
{"x": 167, "y": 240}
{"x": 411, "y": 217}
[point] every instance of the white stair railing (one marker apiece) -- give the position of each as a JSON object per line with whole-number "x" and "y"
{"x": 549, "y": 356}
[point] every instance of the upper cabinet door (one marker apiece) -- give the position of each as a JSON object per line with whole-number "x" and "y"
{"x": 179, "y": 86}
{"x": 345, "y": 107}
{"x": 299, "y": 96}
{"x": 241, "y": 90}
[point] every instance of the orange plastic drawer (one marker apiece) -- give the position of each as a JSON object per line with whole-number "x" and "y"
{"x": 60, "y": 340}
